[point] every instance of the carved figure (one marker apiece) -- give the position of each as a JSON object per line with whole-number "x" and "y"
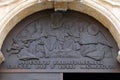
{"x": 93, "y": 43}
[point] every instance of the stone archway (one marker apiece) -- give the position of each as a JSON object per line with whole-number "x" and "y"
{"x": 87, "y": 7}
{"x": 59, "y": 39}
{"x": 47, "y": 44}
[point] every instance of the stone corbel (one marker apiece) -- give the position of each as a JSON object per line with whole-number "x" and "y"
{"x": 114, "y": 3}
{"x": 58, "y": 4}
{"x": 2, "y": 58}
{"x": 61, "y": 5}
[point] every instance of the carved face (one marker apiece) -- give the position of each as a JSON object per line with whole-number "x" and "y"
{"x": 93, "y": 29}
{"x": 56, "y": 19}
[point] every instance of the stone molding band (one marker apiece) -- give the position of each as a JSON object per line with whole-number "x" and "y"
{"x": 7, "y": 2}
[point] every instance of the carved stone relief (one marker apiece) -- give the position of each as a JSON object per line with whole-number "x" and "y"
{"x": 59, "y": 41}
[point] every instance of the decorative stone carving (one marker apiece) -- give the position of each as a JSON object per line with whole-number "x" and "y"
{"x": 58, "y": 41}
{"x": 7, "y": 2}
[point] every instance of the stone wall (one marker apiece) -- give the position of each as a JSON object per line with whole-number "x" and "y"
{"x": 105, "y": 11}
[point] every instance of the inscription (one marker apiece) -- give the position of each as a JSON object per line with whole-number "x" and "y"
{"x": 61, "y": 64}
